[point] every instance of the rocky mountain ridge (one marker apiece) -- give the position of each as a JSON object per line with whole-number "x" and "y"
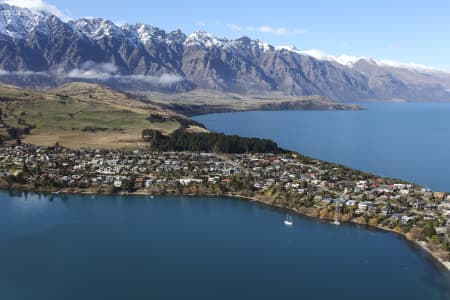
{"x": 39, "y": 49}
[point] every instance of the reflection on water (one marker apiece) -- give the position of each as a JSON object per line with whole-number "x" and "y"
{"x": 115, "y": 247}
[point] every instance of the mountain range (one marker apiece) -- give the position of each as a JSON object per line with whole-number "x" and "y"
{"x": 38, "y": 49}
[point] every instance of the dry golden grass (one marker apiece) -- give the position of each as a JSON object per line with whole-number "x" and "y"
{"x": 196, "y": 129}
{"x": 130, "y": 138}
{"x": 79, "y": 115}
{"x": 95, "y": 93}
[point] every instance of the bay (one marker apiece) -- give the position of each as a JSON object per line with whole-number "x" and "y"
{"x": 116, "y": 247}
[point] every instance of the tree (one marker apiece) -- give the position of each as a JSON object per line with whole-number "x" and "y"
{"x": 181, "y": 140}
{"x": 416, "y": 233}
{"x": 14, "y": 133}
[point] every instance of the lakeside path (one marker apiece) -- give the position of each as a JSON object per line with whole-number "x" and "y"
{"x": 287, "y": 180}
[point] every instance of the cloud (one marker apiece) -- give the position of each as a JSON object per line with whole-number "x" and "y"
{"x": 107, "y": 71}
{"x": 163, "y": 80}
{"x": 267, "y": 29}
{"x": 38, "y": 5}
{"x": 91, "y": 70}
{"x": 22, "y": 73}
{"x": 99, "y": 72}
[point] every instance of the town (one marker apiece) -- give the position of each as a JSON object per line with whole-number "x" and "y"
{"x": 289, "y": 180}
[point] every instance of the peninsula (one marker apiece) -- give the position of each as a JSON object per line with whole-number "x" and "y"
{"x": 284, "y": 179}
{"x": 87, "y": 138}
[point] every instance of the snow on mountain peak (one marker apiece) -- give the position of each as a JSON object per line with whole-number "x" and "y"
{"x": 288, "y": 48}
{"x": 98, "y": 28}
{"x": 19, "y": 18}
{"x": 205, "y": 40}
{"x": 18, "y": 22}
{"x": 147, "y": 33}
{"x": 39, "y": 6}
{"x": 346, "y": 60}
{"x": 266, "y": 47}
{"x": 350, "y": 60}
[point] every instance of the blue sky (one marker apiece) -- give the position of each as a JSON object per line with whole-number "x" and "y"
{"x": 406, "y": 31}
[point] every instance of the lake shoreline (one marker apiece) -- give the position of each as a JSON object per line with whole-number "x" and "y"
{"x": 386, "y": 133}
{"x": 88, "y": 192}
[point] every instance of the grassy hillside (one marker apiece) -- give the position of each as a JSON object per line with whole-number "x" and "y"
{"x": 200, "y": 102}
{"x": 81, "y": 115}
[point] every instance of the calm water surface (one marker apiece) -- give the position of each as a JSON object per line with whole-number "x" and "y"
{"x": 198, "y": 248}
{"x": 408, "y": 141}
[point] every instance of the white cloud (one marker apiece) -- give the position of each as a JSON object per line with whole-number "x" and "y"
{"x": 38, "y": 5}
{"x": 106, "y": 71}
{"x": 22, "y": 73}
{"x": 91, "y": 70}
{"x": 100, "y": 72}
{"x": 163, "y": 80}
{"x": 267, "y": 29}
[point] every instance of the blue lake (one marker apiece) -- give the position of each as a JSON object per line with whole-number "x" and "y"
{"x": 407, "y": 141}
{"x": 112, "y": 247}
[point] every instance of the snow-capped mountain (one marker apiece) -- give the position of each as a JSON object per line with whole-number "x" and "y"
{"x": 350, "y": 60}
{"x": 17, "y": 23}
{"x": 40, "y": 49}
{"x": 97, "y": 28}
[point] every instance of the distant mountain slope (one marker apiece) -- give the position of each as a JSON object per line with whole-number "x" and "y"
{"x": 38, "y": 49}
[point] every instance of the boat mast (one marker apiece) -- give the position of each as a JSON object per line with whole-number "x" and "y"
{"x": 336, "y": 214}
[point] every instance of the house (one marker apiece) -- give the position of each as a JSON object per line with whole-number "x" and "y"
{"x": 441, "y": 230}
{"x": 362, "y": 185}
{"x": 213, "y": 179}
{"x": 439, "y": 195}
{"x": 117, "y": 183}
{"x": 364, "y": 205}
{"x": 399, "y": 186}
{"x": 395, "y": 217}
{"x": 386, "y": 210}
{"x": 360, "y": 211}
{"x": 327, "y": 201}
{"x": 350, "y": 203}
{"x": 148, "y": 183}
{"x": 406, "y": 219}
{"x": 188, "y": 181}
{"x": 404, "y": 192}
{"x": 372, "y": 209}
{"x": 418, "y": 204}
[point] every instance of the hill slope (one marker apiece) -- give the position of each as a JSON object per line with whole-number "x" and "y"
{"x": 81, "y": 115}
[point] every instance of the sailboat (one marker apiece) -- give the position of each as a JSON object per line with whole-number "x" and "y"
{"x": 288, "y": 221}
{"x": 336, "y": 215}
